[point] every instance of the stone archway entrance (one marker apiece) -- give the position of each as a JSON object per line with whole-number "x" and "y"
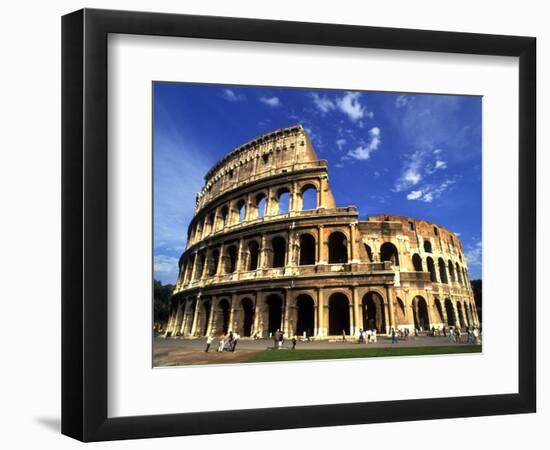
{"x": 248, "y": 316}
{"x": 373, "y": 312}
{"x": 305, "y": 320}
{"x": 223, "y": 317}
{"x": 421, "y": 317}
{"x": 451, "y": 319}
{"x": 274, "y": 312}
{"x": 338, "y": 315}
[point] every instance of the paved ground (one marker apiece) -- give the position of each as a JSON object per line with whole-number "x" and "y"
{"x": 176, "y": 352}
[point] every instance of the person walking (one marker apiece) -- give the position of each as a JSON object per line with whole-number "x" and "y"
{"x": 276, "y": 339}
{"x": 294, "y": 343}
{"x": 221, "y": 343}
{"x": 209, "y": 340}
{"x": 236, "y": 337}
{"x": 393, "y": 336}
{"x": 451, "y": 334}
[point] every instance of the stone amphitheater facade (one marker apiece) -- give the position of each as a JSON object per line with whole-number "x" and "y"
{"x": 260, "y": 258}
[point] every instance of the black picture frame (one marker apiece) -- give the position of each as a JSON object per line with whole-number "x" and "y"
{"x": 84, "y": 224}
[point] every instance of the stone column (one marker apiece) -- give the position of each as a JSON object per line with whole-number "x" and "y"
{"x": 212, "y": 318}
{"x": 195, "y": 317}
{"x": 285, "y": 315}
{"x": 357, "y": 312}
{"x": 262, "y": 256}
{"x": 354, "y": 254}
{"x": 321, "y": 245}
{"x": 321, "y": 194}
{"x": 391, "y": 313}
{"x": 194, "y": 267}
{"x": 239, "y": 264}
{"x": 292, "y": 207}
{"x": 321, "y": 325}
{"x": 205, "y": 265}
{"x": 257, "y": 312}
{"x": 231, "y": 326}
{"x": 221, "y": 257}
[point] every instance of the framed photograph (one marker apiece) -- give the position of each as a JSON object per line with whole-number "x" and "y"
{"x": 273, "y": 225}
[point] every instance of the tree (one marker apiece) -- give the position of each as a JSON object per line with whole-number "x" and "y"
{"x": 161, "y": 302}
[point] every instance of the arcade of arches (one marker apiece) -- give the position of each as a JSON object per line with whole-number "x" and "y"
{"x": 319, "y": 313}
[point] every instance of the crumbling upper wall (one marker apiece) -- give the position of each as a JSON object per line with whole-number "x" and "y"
{"x": 279, "y": 151}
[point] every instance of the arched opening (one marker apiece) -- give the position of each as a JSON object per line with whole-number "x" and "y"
{"x": 427, "y": 246}
{"x": 338, "y": 315}
{"x": 458, "y": 273}
{"x": 374, "y": 317}
{"x": 439, "y": 309}
{"x": 442, "y": 271}
{"x": 307, "y": 249}
{"x": 388, "y": 252}
{"x": 417, "y": 262}
{"x": 278, "y": 245}
{"x": 274, "y": 313}
{"x": 225, "y": 216}
{"x": 420, "y": 309}
{"x": 208, "y": 224}
{"x": 248, "y": 316}
{"x": 431, "y": 269}
{"x": 460, "y": 315}
{"x": 449, "y": 310}
{"x": 253, "y": 251}
{"x": 223, "y": 316}
{"x": 231, "y": 264}
{"x": 305, "y": 321}
{"x": 205, "y": 313}
{"x": 309, "y": 197}
{"x": 261, "y": 203}
{"x": 213, "y": 265}
{"x": 451, "y": 271}
{"x": 241, "y": 207}
{"x": 200, "y": 266}
{"x": 283, "y": 196}
{"x": 337, "y": 248}
{"x": 368, "y": 250}
{"x": 189, "y": 322}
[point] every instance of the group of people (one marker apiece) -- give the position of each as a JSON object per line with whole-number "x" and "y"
{"x": 225, "y": 343}
{"x": 367, "y": 336}
{"x": 472, "y": 335}
{"x": 279, "y": 338}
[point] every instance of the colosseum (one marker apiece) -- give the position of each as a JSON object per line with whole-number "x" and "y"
{"x": 259, "y": 257}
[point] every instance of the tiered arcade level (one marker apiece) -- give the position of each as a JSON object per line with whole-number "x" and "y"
{"x": 269, "y": 250}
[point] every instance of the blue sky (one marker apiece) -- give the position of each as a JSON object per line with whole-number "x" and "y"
{"x": 417, "y": 155}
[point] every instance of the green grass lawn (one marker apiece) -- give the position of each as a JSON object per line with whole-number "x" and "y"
{"x": 300, "y": 355}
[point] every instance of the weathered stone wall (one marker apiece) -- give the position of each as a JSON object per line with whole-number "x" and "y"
{"x": 251, "y": 267}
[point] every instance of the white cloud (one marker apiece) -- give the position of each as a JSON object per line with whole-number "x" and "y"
{"x": 411, "y": 172}
{"x": 231, "y": 96}
{"x": 323, "y": 103}
{"x": 364, "y": 151}
{"x": 272, "y": 102}
{"x": 339, "y": 165}
{"x": 437, "y": 165}
{"x": 429, "y": 193}
{"x": 350, "y": 105}
{"x": 166, "y": 264}
{"x": 401, "y": 101}
{"x": 340, "y": 143}
{"x": 414, "y": 195}
{"x": 473, "y": 254}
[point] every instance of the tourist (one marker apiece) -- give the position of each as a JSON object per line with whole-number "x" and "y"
{"x": 344, "y": 335}
{"x": 360, "y": 335}
{"x": 458, "y": 334}
{"x": 281, "y": 339}
{"x": 221, "y": 343}
{"x": 294, "y": 343}
{"x": 444, "y": 331}
{"x": 451, "y": 334}
{"x": 236, "y": 337}
{"x": 209, "y": 340}
{"x": 476, "y": 335}
{"x": 230, "y": 341}
{"x": 433, "y": 331}
{"x": 276, "y": 339}
{"x": 393, "y": 336}
{"x": 373, "y": 337}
